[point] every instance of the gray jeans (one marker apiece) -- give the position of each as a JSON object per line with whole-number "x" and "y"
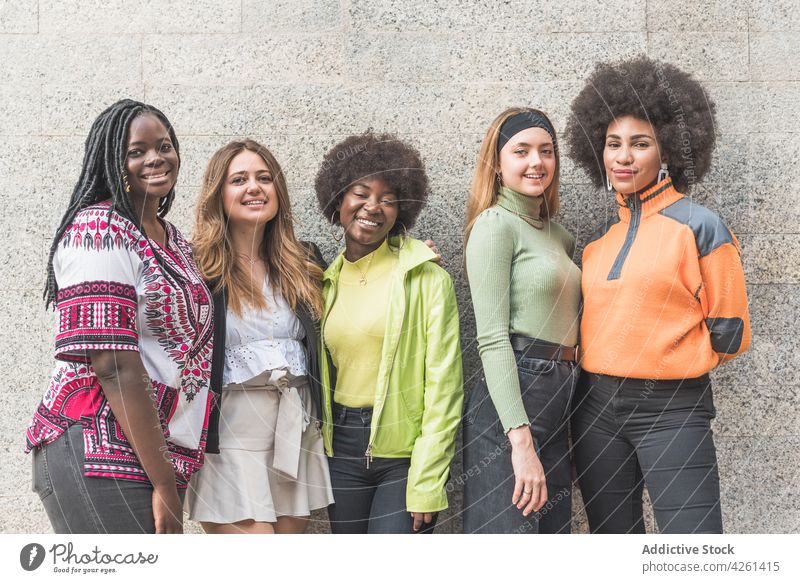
{"x": 76, "y": 504}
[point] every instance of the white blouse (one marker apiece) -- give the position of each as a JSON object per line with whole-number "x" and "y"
{"x": 261, "y": 340}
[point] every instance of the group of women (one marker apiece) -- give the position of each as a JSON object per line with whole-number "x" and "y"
{"x": 298, "y": 385}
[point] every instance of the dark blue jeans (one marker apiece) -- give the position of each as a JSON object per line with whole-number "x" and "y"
{"x": 488, "y": 477}
{"x": 632, "y": 432}
{"x": 76, "y": 504}
{"x": 367, "y": 500}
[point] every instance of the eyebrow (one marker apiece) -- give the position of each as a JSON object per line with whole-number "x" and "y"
{"x": 636, "y": 137}
{"x": 527, "y": 145}
{"x": 362, "y": 185}
{"x": 141, "y": 142}
{"x": 263, "y": 170}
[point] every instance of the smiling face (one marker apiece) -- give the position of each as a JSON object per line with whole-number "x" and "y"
{"x": 631, "y": 155}
{"x": 528, "y": 162}
{"x": 152, "y": 162}
{"x": 367, "y": 211}
{"x": 248, "y": 194}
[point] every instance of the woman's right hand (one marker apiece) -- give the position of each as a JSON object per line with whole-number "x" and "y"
{"x": 167, "y": 510}
{"x": 530, "y": 487}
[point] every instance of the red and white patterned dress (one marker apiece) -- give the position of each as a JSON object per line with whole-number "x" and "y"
{"x": 114, "y": 295}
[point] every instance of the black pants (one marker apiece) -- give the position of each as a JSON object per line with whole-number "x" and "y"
{"x": 488, "y": 477}
{"x": 367, "y": 500}
{"x": 630, "y": 432}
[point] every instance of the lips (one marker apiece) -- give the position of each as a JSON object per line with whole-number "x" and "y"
{"x": 254, "y": 203}
{"x": 370, "y": 224}
{"x": 623, "y": 173}
{"x": 534, "y": 176}
{"x": 156, "y": 176}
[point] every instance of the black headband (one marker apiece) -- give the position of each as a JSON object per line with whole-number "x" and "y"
{"x": 522, "y": 121}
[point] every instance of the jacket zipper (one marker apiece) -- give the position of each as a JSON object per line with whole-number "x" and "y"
{"x": 633, "y": 204}
{"x": 376, "y": 417}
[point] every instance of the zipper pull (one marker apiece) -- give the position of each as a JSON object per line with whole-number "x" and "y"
{"x": 368, "y": 455}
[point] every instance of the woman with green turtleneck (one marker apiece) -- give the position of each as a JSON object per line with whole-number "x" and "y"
{"x": 526, "y": 295}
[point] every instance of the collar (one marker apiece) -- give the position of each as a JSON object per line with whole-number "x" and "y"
{"x": 375, "y": 264}
{"x": 409, "y": 252}
{"x": 647, "y": 203}
{"x": 527, "y": 207}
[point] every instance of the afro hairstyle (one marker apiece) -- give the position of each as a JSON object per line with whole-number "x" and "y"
{"x": 674, "y": 103}
{"x": 369, "y": 156}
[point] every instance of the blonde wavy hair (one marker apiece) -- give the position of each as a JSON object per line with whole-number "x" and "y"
{"x": 485, "y": 183}
{"x": 290, "y": 266}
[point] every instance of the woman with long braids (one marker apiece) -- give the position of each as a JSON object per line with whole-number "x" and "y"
{"x": 267, "y": 470}
{"x": 391, "y": 375}
{"x": 526, "y": 294}
{"x": 664, "y": 302}
{"x": 122, "y": 426}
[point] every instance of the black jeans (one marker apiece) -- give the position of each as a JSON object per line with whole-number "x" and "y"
{"x": 488, "y": 477}
{"x": 632, "y": 432}
{"x": 76, "y": 504}
{"x": 367, "y": 500}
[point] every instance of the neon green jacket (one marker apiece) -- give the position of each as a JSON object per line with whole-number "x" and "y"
{"x": 420, "y": 386}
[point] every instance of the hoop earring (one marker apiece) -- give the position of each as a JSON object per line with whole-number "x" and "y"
{"x": 334, "y": 230}
{"x": 609, "y": 188}
{"x": 663, "y": 173}
{"x": 499, "y": 178}
{"x": 125, "y": 183}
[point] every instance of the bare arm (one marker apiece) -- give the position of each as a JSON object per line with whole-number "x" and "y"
{"x": 126, "y": 386}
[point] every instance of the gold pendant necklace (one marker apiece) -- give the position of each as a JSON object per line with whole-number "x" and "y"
{"x": 363, "y": 281}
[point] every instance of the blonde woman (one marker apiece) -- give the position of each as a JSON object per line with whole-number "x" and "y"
{"x": 267, "y": 471}
{"x": 526, "y": 295}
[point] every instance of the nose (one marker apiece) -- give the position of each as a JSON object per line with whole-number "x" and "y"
{"x": 534, "y": 159}
{"x": 252, "y": 185}
{"x": 624, "y": 155}
{"x": 154, "y": 158}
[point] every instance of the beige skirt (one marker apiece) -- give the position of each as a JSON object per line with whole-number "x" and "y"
{"x": 246, "y": 480}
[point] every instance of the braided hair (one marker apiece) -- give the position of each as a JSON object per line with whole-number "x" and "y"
{"x": 101, "y": 175}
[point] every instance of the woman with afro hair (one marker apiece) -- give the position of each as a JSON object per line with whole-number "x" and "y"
{"x": 664, "y": 302}
{"x": 391, "y": 376}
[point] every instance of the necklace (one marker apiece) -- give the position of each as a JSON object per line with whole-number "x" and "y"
{"x": 249, "y": 259}
{"x": 363, "y": 281}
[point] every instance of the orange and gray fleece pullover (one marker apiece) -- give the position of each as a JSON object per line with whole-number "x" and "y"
{"x": 663, "y": 290}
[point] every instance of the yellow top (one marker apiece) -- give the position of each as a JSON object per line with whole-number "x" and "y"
{"x": 356, "y": 324}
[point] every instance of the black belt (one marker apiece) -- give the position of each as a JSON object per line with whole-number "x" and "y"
{"x": 535, "y": 348}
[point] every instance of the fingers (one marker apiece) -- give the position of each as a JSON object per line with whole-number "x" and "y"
{"x": 417, "y": 520}
{"x": 515, "y": 497}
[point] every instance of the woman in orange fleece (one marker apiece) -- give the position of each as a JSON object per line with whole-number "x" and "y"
{"x": 664, "y": 303}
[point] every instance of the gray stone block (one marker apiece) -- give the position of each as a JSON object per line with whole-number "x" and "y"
{"x": 732, "y": 99}
{"x": 710, "y": 56}
{"x": 683, "y": 15}
{"x": 510, "y": 16}
{"x": 71, "y": 59}
{"x": 570, "y": 57}
{"x": 773, "y": 308}
{"x": 18, "y": 17}
{"x": 771, "y": 258}
{"x": 773, "y": 56}
{"x": 771, "y": 158}
{"x": 779, "y": 15}
{"x": 23, "y": 513}
{"x": 142, "y": 17}
{"x": 756, "y": 411}
{"x": 772, "y": 107}
{"x": 20, "y": 110}
{"x": 69, "y": 109}
{"x": 770, "y": 361}
{"x": 286, "y": 15}
{"x": 240, "y": 59}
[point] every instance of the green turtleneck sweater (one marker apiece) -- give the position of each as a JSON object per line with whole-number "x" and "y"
{"x": 523, "y": 281}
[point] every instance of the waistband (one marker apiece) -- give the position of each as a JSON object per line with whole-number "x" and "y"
{"x": 645, "y": 384}
{"x": 536, "y": 348}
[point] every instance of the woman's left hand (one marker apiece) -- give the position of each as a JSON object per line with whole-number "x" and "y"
{"x": 420, "y": 517}
{"x": 435, "y": 249}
